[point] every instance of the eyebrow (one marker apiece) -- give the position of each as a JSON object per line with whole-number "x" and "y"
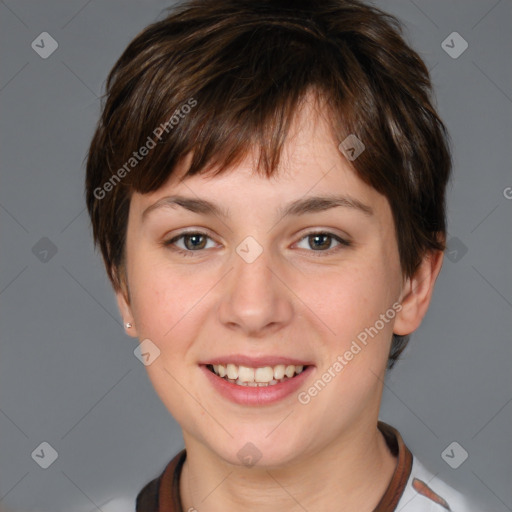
{"x": 311, "y": 204}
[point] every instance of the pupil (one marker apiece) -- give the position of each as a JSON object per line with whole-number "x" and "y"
{"x": 318, "y": 238}
{"x": 194, "y": 239}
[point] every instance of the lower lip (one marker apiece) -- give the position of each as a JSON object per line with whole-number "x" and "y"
{"x": 264, "y": 395}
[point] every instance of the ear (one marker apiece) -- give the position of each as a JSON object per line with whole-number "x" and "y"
{"x": 123, "y": 302}
{"x": 417, "y": 292}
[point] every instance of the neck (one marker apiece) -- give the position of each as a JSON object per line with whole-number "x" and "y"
{"x": 355, "y": 469}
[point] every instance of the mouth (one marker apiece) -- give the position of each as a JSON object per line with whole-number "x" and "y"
{"x": 256, "y": 381}
{"x": 262, "y": 376}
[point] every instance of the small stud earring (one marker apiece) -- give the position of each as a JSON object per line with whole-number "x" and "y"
{"x": 128, "y": 325}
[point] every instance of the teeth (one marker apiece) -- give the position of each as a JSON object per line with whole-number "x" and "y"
{"x": 290, "y": 371}
{"x": 256, "y": 377}
{"x": 279, "y": 371}
{"x": 231, "y": 371}
{"x": 254, "y": 384}
{"x": 264, "y": 374}
{"x": 246, "y": 374}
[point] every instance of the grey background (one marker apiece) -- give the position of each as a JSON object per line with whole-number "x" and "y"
{"x": 68, "y": 375}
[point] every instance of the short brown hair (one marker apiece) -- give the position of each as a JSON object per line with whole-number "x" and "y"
{"x": 243, "y": 67}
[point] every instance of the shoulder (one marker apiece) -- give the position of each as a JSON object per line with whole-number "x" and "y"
{"x": 424, "y": 492}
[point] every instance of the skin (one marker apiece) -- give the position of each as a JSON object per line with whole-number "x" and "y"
{"x": 294, "y": 300}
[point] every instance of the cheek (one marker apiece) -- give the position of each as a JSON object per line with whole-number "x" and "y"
{"x": 166, "y": 306}
{"x": 164, "y": 300}
{"x": 357, "y": 342}
{"x": 348, "y": 300}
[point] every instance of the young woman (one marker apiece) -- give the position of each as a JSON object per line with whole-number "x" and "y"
{"x": 267, "y": 187}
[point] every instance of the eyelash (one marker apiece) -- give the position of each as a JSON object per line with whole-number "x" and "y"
{"x": 189, "y": 253}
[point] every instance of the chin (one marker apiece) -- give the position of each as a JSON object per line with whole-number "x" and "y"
{"x": 255, "y": 448}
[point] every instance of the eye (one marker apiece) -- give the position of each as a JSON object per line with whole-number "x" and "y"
{"x": 322, "y": 241}
{"x": 195, "y": 241}
{"x": 187, "y": 243}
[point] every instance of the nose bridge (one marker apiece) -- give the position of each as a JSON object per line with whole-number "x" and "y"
{"x": 255, "y": 300}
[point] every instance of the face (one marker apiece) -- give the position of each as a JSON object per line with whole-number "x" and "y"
{"x": 268, "y": 281}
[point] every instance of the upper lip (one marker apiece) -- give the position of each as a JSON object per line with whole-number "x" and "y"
{"x": 256, "y": 362}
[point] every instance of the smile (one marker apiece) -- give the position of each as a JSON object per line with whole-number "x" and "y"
{"x": 256, "y": 377}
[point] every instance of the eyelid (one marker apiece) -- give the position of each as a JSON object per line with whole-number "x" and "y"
{"x": 170, "y": 243}
{"x": 342, "y": 241}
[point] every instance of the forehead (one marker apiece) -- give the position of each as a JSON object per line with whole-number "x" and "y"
{"x": 310, "y": 165}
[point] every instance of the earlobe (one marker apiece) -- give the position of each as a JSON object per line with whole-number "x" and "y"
{"x": 417, "y": 293}
{"x": 126, "y": 313}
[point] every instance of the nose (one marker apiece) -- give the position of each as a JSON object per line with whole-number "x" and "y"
{"x": 255, "y": 299}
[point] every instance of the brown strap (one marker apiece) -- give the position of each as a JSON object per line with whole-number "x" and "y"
{"x": 396, "y": 487}
{"x": 169, "y": 495}
{"x": 147, "y": 499}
